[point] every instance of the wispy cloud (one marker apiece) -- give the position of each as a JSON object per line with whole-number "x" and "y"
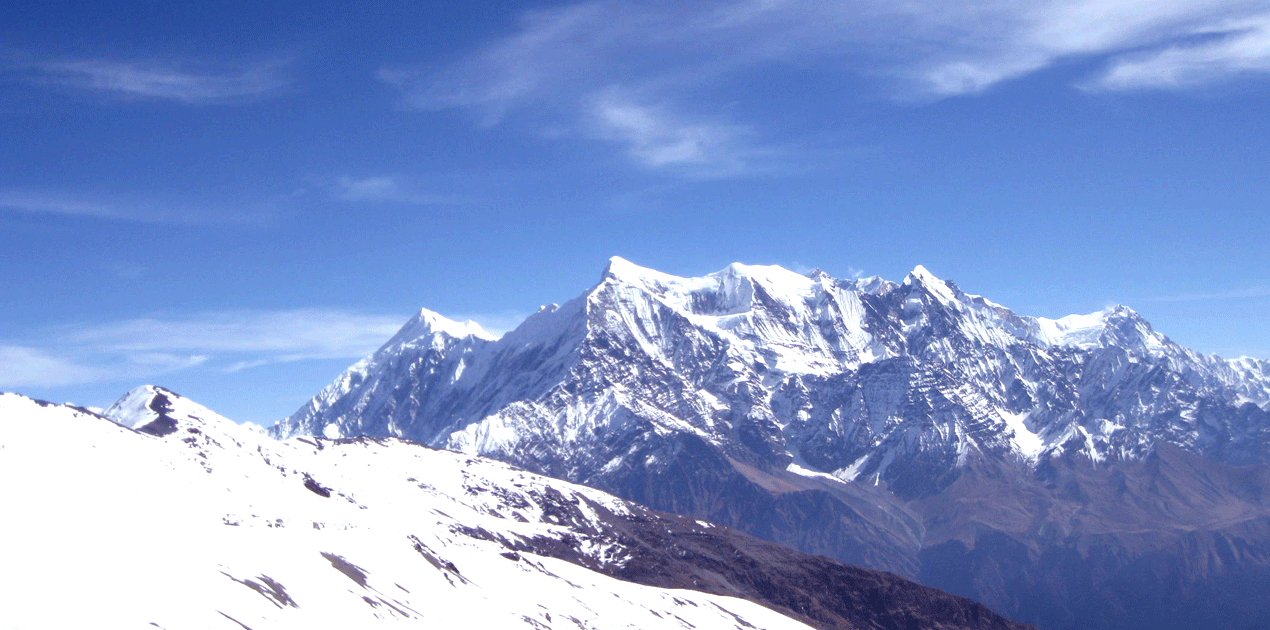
{"x": 22, "y": 366}
{"x": 388, "y": 189}
{"x": 1237, "y": 294}
{"x": 142, "y": 348}
{"x": 133, "y": 210}
{"x": 1241, "y": 48}
{"x": 226, "y": 341}
{"x": 655, "y": 137}
{"x": 196, "y": 84}
{"x": 52, "y": 203}
{"x": 640, "y": 73}
{"x": 27, "y": 366}
{"x": 286, "y": 335}
{"x": 576, "y": 66}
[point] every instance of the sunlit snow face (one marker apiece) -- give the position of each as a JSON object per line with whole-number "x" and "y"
{"x": 231, "y": 525}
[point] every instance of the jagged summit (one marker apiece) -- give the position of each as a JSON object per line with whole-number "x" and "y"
{"x": 730, "y": 282}
{"x": 1073, "y": 330}
{"x": 619, "y": 268}
{"x": 134, "y": 408}
{"x": 923, "y": 275}
{"x": 428, "y": 322}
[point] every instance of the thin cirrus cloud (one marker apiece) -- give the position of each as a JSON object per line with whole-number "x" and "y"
{"x": 1237, "y": 294}
{"x": 23, "y": 366}
{"x": 36, "y": 202}
{"x": 274, "y": 335}
{"x": 135, "y": 210}
{"x": 1240, "y": 49}
{"x": 28, "y": 366}
{"x": 643, "y": 75}
{"x": 656, "y": 138}
{"x": 171, "y": 81}
{"x": 284, "y": 335}
{"x": 388, "y": 189}
{"x": 562, "y": 60}
{"x": 227, "y": 341}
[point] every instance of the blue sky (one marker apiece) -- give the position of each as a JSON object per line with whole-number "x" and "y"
{"x": 237, "y": 201}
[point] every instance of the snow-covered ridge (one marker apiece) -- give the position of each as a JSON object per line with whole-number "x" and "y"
{"x": 430, "y": 322}
{"x": 216, "y": 526}
{"x": 1081, "y": 331}
{"x": 730, "y": 292}
{"x": 147, "y": 404}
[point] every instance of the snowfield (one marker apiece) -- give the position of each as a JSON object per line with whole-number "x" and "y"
{"x": 191, "y": 521}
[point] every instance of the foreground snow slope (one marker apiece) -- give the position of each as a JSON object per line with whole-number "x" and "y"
{"x": 190, "y": 521}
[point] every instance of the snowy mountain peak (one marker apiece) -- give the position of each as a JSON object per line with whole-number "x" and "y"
{"x": 776, "y": 279}
{"x": 729, "y": 291}
{"x": 819, "y": 274}
{"x": 624, "y": 270}
{"x": 134, "y": 407}
{"x": 874, "y": 285}
{"x": 921, "y": 275}
{"x": 1113, "y": 326}
{"x": 1078, "y": 331}
{"x": 428, "y": 322}
{"x": 158, "y": 411}
{"x": 941, "y": 290}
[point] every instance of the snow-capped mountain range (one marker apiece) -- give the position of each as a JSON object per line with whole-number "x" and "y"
{"x": 829, "y": 372}
{"x": 161, "y": 513}
{"x": 877, "y": 422}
